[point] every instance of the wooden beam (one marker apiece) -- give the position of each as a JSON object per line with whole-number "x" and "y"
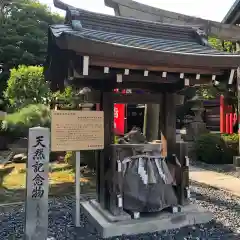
{"x": 136, "y": 98}
{"x": 112, "y": 63}
{"x": 134, "y": 76}
{"x": 98, "y": 84}
{"x": 200, "y": 81}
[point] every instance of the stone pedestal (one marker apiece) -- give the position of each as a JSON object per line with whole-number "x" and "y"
{"x": 236, "y": 161}
{"x": 197, "y": 126}
{"x": 108, "y": 226}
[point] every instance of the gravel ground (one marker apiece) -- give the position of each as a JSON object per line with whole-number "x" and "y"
{"x": 221, "y": 168}
{"x": 225, "y": 226}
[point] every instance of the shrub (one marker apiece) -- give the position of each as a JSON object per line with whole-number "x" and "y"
{"x": 18, "y": 123}
{"x": 68, "y": 159}
{"x": 87, "y": 158}
{"x": 231, "y": 141}
{"x": 212, "y": 148}
{"x": 27, "y": 85}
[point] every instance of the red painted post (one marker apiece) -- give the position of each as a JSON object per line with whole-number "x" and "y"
{"x": 222, "y": 115}
{"x": 234, "y": 118}
{"x": 227, "y": 123}
{"x": 231, "y": 123}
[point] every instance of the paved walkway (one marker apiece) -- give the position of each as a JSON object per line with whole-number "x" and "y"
{"x": 214, "y": 179}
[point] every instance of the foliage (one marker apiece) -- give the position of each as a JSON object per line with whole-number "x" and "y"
{"x": 68, "y": 159}
{"x": 215, "y": 149}
{"x": 217, "y": 44}
{"x": 18, "y": 124}
{"x": 23, "y": 34}
{"x": 210, "y": 91}
{"x": 27, "y": 85}
{"x": 67, "y": 98}
{"x": 3, "y": 104}
{"x": 232, "y": 142}
{"x": 87, "y": 157}
{"x": 222, "y": 88}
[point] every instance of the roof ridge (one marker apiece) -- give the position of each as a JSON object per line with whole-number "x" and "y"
{"x": 185, "y": 27}
{"x": 61, "y": 5}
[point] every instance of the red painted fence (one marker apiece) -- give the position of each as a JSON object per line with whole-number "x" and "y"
{"x": 228, "y": 117}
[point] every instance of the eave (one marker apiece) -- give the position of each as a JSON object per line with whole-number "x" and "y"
{"x": 233, "y": 15}
{"x": 94, "y": 47}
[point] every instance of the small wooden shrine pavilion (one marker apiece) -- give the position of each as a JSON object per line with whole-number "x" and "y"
{"x": 105, "y": 52}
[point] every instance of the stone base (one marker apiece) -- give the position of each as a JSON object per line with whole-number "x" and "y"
{"x": 190, "y": 215}
{"x": 106, "y": 214}
{"x": 236, "y": 161}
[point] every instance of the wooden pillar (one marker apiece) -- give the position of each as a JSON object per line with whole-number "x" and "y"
{"x": 183, "y": 184}
{"x": 107, "y": 165}
{"x": 151, "y": 121}
{"x": 167, "y": 123}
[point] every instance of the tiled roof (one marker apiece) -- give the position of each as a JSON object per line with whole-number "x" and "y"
{"x": 136, "y": 41}
{"x": 232, "y": 13}
{"x": 133, "y": 40}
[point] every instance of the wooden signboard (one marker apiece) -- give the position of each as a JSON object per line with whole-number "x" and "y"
{"x": 77, "y": 130}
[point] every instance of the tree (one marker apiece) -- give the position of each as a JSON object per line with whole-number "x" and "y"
{"x": 209, "y": 91}
{"x": 27, "y": 85}
{"x": 230, "y": 92}
{"x": 23, "y": 34}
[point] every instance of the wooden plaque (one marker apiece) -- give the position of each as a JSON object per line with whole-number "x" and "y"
{"x": 77, "y": 130}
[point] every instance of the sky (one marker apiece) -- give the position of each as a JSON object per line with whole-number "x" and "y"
{"x": 207, "y": 9}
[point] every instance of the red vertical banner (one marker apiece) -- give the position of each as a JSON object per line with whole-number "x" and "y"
{"x": 119, "y": 119}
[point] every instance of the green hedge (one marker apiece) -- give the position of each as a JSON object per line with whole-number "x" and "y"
{"x": 216, "y": 148}
{"x": 18, "y": 123}
{"x": 232, "y": 142}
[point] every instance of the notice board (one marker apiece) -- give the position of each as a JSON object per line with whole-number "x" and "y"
{"x": 76, "y": 130}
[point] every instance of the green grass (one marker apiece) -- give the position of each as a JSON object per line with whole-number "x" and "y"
{"x": 61, "y": 181}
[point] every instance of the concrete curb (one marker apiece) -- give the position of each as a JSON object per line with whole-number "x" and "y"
{"x": 84, "y": 197}
{"x": 236, "y": 194}
{"x": 10, "y": 204}
{"x": 214, "y": 179}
